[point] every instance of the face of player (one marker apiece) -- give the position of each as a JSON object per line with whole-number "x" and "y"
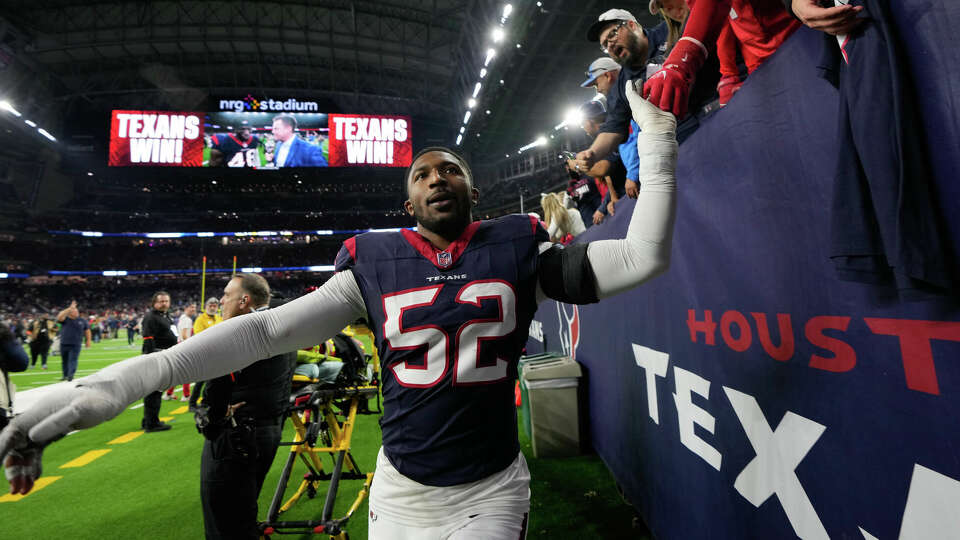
{"x": 234, "y": 300}
{"x": 211, "y": 309}
{"x": 629, "y": 47}
{"x": 162, "y": 303}
{"x": 440, "y": 194}
{"x": 244, "y": 134}
{"x": 281, "y": 131}
{"x": 191, "y": 310}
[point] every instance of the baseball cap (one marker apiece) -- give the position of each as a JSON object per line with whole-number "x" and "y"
{"x": 611, "y": 15}
{"x": 597, "y": 68}
{"x": 593, "y": 109}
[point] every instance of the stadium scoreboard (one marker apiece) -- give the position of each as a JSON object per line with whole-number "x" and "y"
{"x": 258, "y": 134}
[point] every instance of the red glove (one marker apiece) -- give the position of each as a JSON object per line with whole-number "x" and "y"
{"x": 727, "y": 87}
{"x": 669, "y": 88}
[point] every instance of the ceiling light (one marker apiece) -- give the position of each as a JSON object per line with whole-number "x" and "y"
{"x": 507, "y": 10}
{"x": 471, "y": 103}
{"x": 5, "y": 105}
{"x": 490, "y": 55}
{"x": 483, "y": 72}
{"x": 466, "y": 117}
{"x": 488, "y": 111}
{"x": 476, "y": 90}
{"x": 462, "y": 129}
{"x": 30, "y": 123}
{"x": 459, "y": 138}
{"x": 571, "y": 118}
{"x": 497, "y": 34}
{"x": 47, "y": 135}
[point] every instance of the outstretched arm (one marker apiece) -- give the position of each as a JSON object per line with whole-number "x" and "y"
{"x": 223, "y": 348}
{"x": 645, "y": 252}
{"x": 617, "y": 265}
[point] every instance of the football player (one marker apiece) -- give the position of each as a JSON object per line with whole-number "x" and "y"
{"x": 238, "y": 149}
{"x": 451, "y": 304}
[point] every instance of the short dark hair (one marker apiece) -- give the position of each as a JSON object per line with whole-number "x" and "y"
{"x": 256, "y": 286}
{"x": 286, "y": 119}
{"x": 158, "y": 294}
{"x": 461, "y": 159}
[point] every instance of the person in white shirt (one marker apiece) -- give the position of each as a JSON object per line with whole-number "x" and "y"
{"x": 184, "y": 330}
{"x": 560, "y": 220}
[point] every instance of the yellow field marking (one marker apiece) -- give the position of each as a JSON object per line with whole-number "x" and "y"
{"x": 166, "y": 418}
{"x": 181, "y": 410}
{"x": 126, "y": 438}
{"x": 41, "y": 483}
{"x": 85, "y": 459}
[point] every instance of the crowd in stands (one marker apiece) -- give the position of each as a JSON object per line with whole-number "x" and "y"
{"x": 73, "y": 253}
{"x": 110, "y": 304}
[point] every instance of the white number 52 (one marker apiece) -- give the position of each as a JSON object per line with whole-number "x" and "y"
{"x": 466, "y": 362}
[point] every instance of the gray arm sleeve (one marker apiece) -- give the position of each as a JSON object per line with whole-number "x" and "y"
{"x": 228, "y": 346}
{"x": 240, "y": 341}
{"x": 623, "y": 264}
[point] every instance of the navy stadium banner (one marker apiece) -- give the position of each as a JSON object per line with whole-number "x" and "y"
{"x": 749, "y": 393}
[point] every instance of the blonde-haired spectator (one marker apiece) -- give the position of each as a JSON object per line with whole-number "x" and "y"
{"x": 560, "y": 220}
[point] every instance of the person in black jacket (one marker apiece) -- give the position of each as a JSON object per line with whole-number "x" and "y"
{"x": 159, "y": 333}
{"x": 241, "y": 418}
{"x": 12, "y": 358}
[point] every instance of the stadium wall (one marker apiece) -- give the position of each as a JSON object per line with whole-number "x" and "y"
{"x": 749, "y": 393}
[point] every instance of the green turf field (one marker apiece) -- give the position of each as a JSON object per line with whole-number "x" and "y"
{"x": 149, "y": 486}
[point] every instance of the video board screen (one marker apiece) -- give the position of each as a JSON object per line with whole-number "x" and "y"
{"x": 258, "y": 139}
{"x": 158, "y": 138}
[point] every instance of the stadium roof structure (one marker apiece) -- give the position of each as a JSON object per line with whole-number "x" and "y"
{"x": 63, "y": 63}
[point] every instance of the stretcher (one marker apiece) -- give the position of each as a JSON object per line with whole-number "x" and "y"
{"x": 323, "y": 416}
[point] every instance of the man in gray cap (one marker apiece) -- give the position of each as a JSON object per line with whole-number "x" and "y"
{"x": 602, "y": 75}
{"x": 625, "y": 41}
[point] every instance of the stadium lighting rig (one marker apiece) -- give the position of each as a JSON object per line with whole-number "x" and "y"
{"x": 127, "y": 273}
{"x": 497, "y": 35}
{"x": 10, "y": 109}
{"x": 540, "y": 141}
{"x": 572, "y": 117}
{"x": 207, "y": 234}
{"x": 6, "y": 106}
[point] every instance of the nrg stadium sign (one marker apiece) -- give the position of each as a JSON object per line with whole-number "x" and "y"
{"x": 252, "y": 104}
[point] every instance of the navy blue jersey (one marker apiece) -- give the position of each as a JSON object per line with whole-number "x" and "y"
{"x": 237, "y": 153}
{"x": 449, "y": 327}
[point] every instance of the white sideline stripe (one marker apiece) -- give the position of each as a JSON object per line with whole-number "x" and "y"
{"x": 16, "y": 376}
